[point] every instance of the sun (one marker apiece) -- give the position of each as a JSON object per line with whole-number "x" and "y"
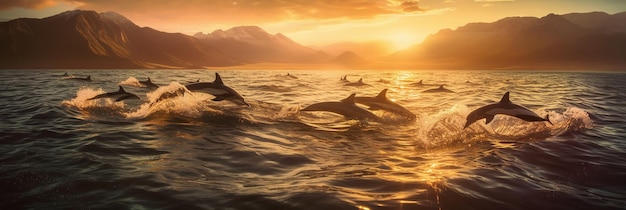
{"x": 401, "y": 41}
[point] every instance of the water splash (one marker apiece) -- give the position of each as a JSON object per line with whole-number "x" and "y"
{"x": 131, "y": 81}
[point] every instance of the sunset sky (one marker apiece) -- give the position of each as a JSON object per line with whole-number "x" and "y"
{"x": 314, "y": 22}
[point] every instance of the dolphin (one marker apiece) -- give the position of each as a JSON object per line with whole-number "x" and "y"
{"x": 344, "y": 79}
{"x": 381, "y": 102}
{"x": 345, "y": 107}
{"x": 170, "y": 94}
{"x": 218, "y": 89}
{"x": 503, "y": 107}
{"x": 148, "y": 83}
{"x": 420, "y": 83}
{"x": 121, "y": 94}
{"x": 358, "y": 83}
{"x": 291, "y": 76}
{"x": 88, "y": 78}
{"x": 440, "y": 89}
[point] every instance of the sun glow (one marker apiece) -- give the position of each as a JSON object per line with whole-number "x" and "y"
{"x": 400, "y": 41}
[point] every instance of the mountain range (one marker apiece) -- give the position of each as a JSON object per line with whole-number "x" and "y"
{"x": 87, "y": 39}
{"x": 571, "y": 41}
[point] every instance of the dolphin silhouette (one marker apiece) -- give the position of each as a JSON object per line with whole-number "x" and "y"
{"x": 440, "y": 89}
{"x": 121, "y": 94}
{"x": 88, "y": 78}
{"x": 148, "y": 83}
{"x": 381, "y": 102}
{"x": 345, "y": 107}
{"x": 170, "y": 94}
{"x": 420, "y": 83}
{"x": 358, "y": 83}
{"x": 503, "y": 107}
{"x": 217, "y": 89}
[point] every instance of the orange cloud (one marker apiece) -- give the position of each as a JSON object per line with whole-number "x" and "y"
{"x": 245, "y": 10}
{"x": 29, "y": 4}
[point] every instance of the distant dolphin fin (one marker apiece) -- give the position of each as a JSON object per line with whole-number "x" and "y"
{"x": 88, "y": 77}
{"x": 382, "y": 94}
{"x": 121, "y": 90}
{"x": 218, "y": 79}
{"x": 440, "y": 86}
{"x": 349, "y": 99}
{"x": 489, "y": 118}
{"x": 505, "y": 98}
{"x": 360, "y": 80}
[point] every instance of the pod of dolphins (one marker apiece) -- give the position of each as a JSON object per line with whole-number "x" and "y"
{"x": 346, "y": 107}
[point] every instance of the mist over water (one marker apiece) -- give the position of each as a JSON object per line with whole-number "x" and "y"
{"x": 61, "y": 150}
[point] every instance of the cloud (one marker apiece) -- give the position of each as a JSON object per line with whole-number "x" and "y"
{"x": 410, "y": 6}
{"x": 236, "y": 10}
{"x": 28, "y": 4}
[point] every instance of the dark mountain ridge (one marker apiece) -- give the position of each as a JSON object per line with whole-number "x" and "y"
{"x": 86, "y": 39}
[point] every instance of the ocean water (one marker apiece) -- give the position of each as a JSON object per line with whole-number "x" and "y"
{"x": 60, "y": 151}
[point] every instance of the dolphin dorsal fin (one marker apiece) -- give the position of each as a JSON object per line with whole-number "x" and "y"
{"x": 149, "y": 79}
{"x": 382, "y": 94}
{"x": 360, "y": 81}
{"x": 420, "y": 82}
{"x": 218, "y": 79}
{"x": 121, "y": 90}
{"x": 505, "y": 98}
{"x": 441, "y": 87}
{"x": 349, "y": 99}
{"x": 88, "y": 77}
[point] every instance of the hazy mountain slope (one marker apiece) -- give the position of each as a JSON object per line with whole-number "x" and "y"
{"x": 590, "y": 40}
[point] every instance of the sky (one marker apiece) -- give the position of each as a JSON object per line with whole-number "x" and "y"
{"x": 401, "y": 23}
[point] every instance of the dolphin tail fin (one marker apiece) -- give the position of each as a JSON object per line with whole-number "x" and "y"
{"x": 382, "y": 94}
{"x": 349, "y": 99}
{"x": 548, "y": 119}
{"x": 505, "y": 98}
{"x": 218, "y": 79}
{"x": 489, "y": 119}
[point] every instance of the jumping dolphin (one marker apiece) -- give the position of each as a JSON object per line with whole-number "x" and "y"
{"x": 503, "y": 107}
{"x": 218, "y": 89}
{"x": 358, "y": 83}
{"x": 381, "y": 102}
{"x": 121, "y": 94}
{"x": 440, "y": 89}
{"x": 345, "y": 107}
{"x": 170, "y": 94}
{"x": 148, "y": 83}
